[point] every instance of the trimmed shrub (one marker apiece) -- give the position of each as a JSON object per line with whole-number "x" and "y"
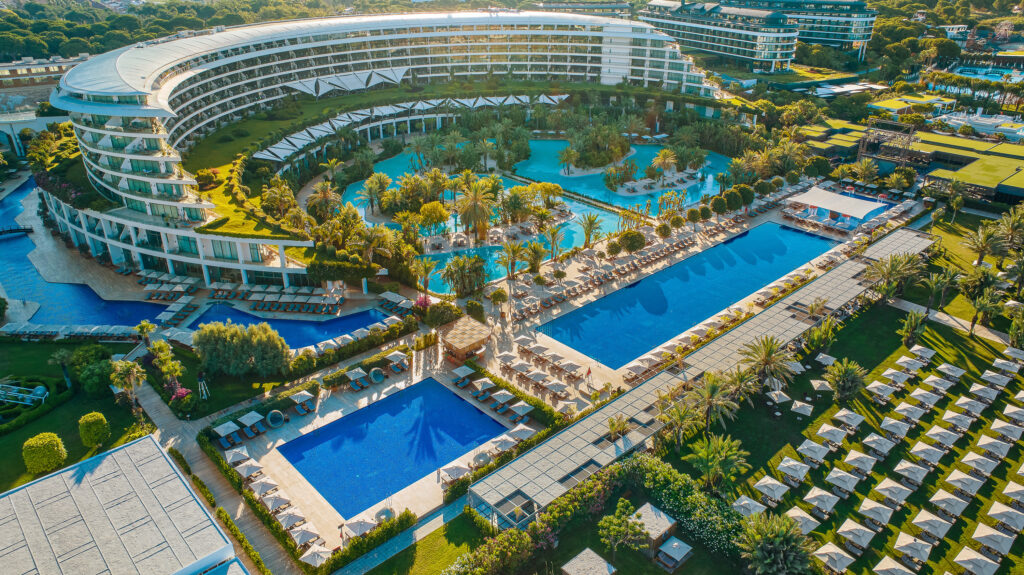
{"x": 180, "y": 459}
{"x": 95, "y": 379}
{"x": 441, "y": 313}
{"x": 93, "y": 429}
{"x": 475, "y": 310}
{"x": 43, "y": 453}
{"x": 243, "y": 541}
{"x": 85, "y": 356}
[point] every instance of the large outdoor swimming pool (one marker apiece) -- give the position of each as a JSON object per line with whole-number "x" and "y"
{"x": 371, "y": 454}
{"x": 298, "y": 333}
{"x": 59, "y": 303}
{"x": 628, "y": 323}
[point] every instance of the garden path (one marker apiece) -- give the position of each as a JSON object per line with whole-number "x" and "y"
{"x": 953, "y": 322}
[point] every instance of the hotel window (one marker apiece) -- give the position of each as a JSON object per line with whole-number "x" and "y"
{"x": 224, "y": 250}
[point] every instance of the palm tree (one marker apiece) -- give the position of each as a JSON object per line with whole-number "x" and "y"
{"x": 485, "y": 147}
{"x": 985, "y": 304}
{"x": 720, "y": 461}
{"x": 983, "y": 241}
{"x": 127, "y": 376}
{"x": 956, "y": 201}
{"x": 590, "y": 223}
{"x": 664, "y": 161}
{"x": 144, "y": 329}
{"x": 712, "y": 400}
{"x": 510, "y": 254}
{"x": 949, "y": 277}
{"x": 331, "y": 167}
{"x": 61, "y": 357}
{"x": 375, "y": 240}
{"x": 742, "y": 385}
{"x": 935, "y": 283}
{"x": 554, "y": 236}
{"x": 423, "y": 268}
{"x": 866, "y": 170}
{"x": 896, "y": 270}
{"x": 618, "y": 426}
{"x": 937, "y": 216}
{"x": 679, "y": 420}
{"x": 324, "y": 202}
{"x": 817, "y": 307}
{"x": 535, "y": 254}
{"x": 913, "y": 327}
{"x": 846, "y": 377}
{"x": 1011, "y": 228}
{"x": 774, "y": 545}
{"x": 476, "y": 205}
{"x": 373, "y": 189}
{"x": 768, "y": 357}
{"x": 567, "y": 158}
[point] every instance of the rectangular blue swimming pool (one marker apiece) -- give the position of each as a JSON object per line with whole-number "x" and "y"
{"x": 628, "y": 323}
{"x": 371, "y": 454}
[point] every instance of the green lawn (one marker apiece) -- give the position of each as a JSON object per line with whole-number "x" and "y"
{"x": 430, "y": 555}
{"x": 870, "y": 340}
{"x": 224, "y": 391}
{"x": 64, "y": 422}
{"x": 24, "y": 358}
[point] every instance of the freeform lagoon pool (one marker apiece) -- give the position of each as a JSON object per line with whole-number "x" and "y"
{"x": 59, "y": 303}
{"x": 375, "y": 452}
{"x": 631, "y": 321}
{"x": 298, "y": 333}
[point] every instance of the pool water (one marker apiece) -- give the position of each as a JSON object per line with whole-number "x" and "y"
{"x": 298, "y": 333}
{"x": 59, "y": 303}
{"x": 992, "y": 73}
{"x": 367, "y": 456}
{"x": 542, "y": 165}
{"x": 630, "y": 322}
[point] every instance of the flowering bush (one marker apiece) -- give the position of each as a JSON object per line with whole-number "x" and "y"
{"x": 180, "y": 393}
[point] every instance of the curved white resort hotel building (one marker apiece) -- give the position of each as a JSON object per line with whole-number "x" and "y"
{"x": 136, "y": 109}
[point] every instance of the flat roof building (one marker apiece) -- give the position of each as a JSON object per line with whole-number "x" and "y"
{"x": 126, "y": 511}
{"x": 843, "y": 24}
{"x": 760, "y": 39}
{"x": 597, "y": 8}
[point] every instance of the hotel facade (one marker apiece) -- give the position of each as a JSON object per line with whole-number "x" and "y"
{"x": 137, "y": 109}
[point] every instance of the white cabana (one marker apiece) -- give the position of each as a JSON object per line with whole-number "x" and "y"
{"x": 975, "y": 563}
{"x": 963, "y": 482}
{"x": 993, "y": 539}
{"x": 833, "y": 202}
{"x": 948, "y": 502}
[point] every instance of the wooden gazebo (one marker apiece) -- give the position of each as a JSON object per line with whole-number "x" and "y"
{"x": 464, "y": 339}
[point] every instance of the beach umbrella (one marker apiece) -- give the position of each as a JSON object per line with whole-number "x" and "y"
{"x": 922, "y": 351}
{"x": 910, "y": 411}
{"x": 812, "y": 450}
{"x": 842, "y": 479}
{"x": 932, "y": 524}
{"x": 881, "y": 389}
{"x": 1014, "y": 353}
{"x": 897, "y": 428}
{"x": 821, "y": 499}
{"x": 521, "y": 408}
{"x": 913, "y": 547}
{"x": 538, "y": 348}
{"x": 524, "y": 341}
{"x": 358, "y": 527}
{"x": 316, "y": 555}
{"x": 861, "y": 461}
{"x": 521, "y": 432}
{"x": 303, "y": 534}
{"x": 951, "y": 370}
{"x": 896, "y": 375}
{"x": 1006, "y": 429}
{"x": 276, "y": 500}
{"x": 910, "y": 363}
{"x": 360, "y": 333}
{"x": 803, "y": 520}
{"x": 537, "y": 375}
{"x": 249, "y": 468}
{"x": 236, "y": 455}
{"x": 802, "y": 408}
{"x": 343, "y": 340}
{"x": 482, "y": 384}
{"x": 820, "y": 385}
{"x": 1014, "y": 491}
{"x": 522, "y": 367}
{"x": 1015, "y": 413}
{"x": 876, "y": 511}
{"x": 502, "y": 443}
{"x": 975, "y": 563}
{"x": 911, "y": 471}
{"x": 225, "y": 429}
{"x": 290, "y": 517}
{"x": 889, "y": 566}
{"x": 925, "y": 397}
{"x": 396, "y": 356}
{"x": 747, "y": 506}
{"x": 778, "y": 396}
{"x": 938, "y": 382}
{"x": 848, "y": 417}
{"x": 302, "y": 396}
{"x": 957, "y": 419}
{"x": 994, "y": 446}
{"x": 771, "y": 487}
{"x": 997, "y": 379}
{"x": 979, "y": 462}
{"x": 948, "y": 502}
{"x": 1007, "y": 516}
{"x": 964, "y": 482}
{"x": 390, "y": 320}
{"x": 262, "y": 486}
{"x": 793, "y": 468}
{"x": 984, "y": 392}
{"x": 825, "y": 359}
{"x": 569, "y": 367}
{"x": 1007, "y": 366}
{"x": 972, "y": 406}
{"x": 507, "y": 357}
{"x": 502, "y": 396}
{"x": 855, "y": 533}
{"x": 455, "y": 470}
{"x": 831, "y": 433}
{"x": 833, "y": 557}
{"x": 250, "y": 418}
{"x": 993, "y": 539}
{"x": 893, "y": 490}
{"x": 926, "y": 452}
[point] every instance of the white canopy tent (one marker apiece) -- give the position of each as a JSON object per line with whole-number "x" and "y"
{"x": 846, "y": 205}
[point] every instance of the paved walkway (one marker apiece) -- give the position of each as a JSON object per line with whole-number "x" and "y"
{"x": 953, "y": 322}
{"x": 173, "y": 432}
{"x": 396, "y": 544}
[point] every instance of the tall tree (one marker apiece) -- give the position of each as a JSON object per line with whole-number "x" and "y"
{"x": 774, "y": 545}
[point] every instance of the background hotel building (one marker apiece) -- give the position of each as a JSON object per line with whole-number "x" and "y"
{"x": 842, "y": 24}
{"x": 762, "y": 39}
{"x": 136, "y": 109}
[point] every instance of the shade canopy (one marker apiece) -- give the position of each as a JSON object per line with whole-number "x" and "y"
{"x": 833, "y": 557}
{"x": 855, "y": 533}
{"x": 913, "y": 547}
{"x": 251, "y": 418}
{"x": 771, "y": 487}
{"x": 747, "y": 506}
{"x": 225, "y": 429}
{"x": 890, "y": 566}
{"x": 948, "y": 502}
{"x": 465, "y": 336}
{"x": 316, "y": 555}
{"x": 793, "y": 468}
{"x": 833, "y": 202}
{"x": 932, "y": 524}
{"x": 803, "y": 520}
{"x": 821, "y": 499}
{"x": 848, "y": 417}
{"x": 236, "y": 455}
{"x": 975, "y": 562}
{"x": 874, "y": 510}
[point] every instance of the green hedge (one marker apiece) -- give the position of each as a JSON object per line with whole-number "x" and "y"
{"x": 480, "y": 522}
{"x": 380, "y": 360}
{"x": 204, "y": 490}
{"x": 51, "y": 403}
{"x": 177, "y": 456}
{"x": 251, "y": 551}
{"x": 376, "y": 537}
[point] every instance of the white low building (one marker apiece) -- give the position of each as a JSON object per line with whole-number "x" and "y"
{"x": 1010, "y": 126}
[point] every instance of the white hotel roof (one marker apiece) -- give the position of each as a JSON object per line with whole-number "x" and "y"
{"x": 132, "y": 69}
{"x": 127, "y": 511}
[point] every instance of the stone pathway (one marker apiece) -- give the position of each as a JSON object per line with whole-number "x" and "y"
{"x": 396, "y": 544}
{"x": 173, "y": 432}
{"x": 953, "y": 322}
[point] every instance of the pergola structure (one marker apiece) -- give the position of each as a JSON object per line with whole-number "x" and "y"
{"x": 464, "y": 339}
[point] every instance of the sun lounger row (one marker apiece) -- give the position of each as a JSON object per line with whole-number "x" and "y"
{"x": 180, "y": 315}
{"x": 501, "y": 402}
{"x": 32, "y": 331}
{"x": 323, "y": 308}
{"x": 230, "y": 294}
